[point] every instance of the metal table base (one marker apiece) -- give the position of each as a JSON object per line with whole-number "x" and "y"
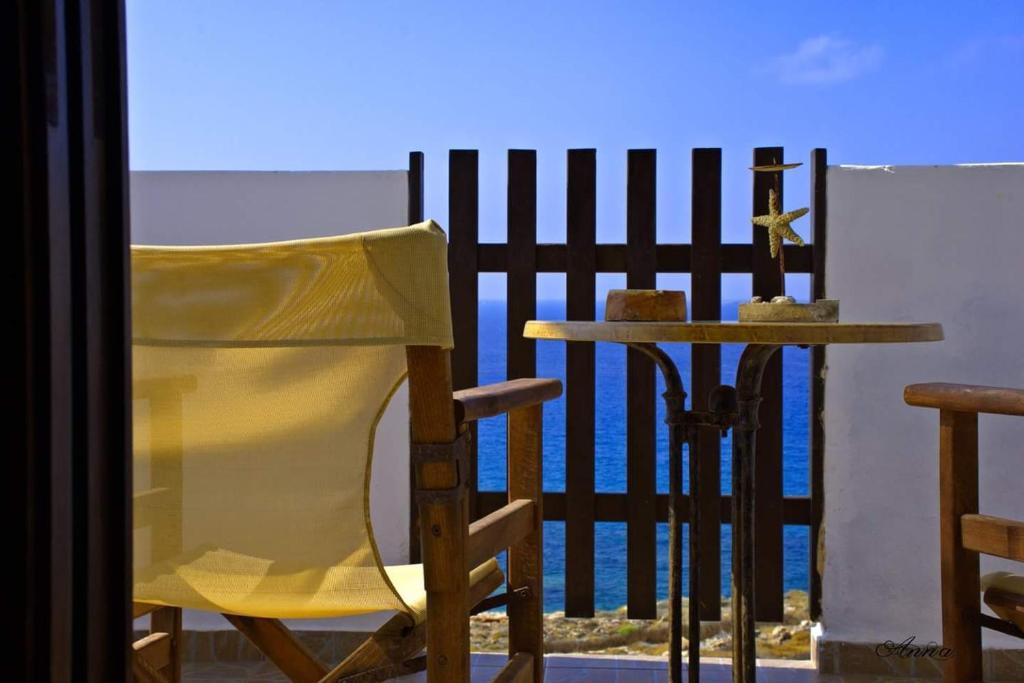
{"x": 728, "y": 407}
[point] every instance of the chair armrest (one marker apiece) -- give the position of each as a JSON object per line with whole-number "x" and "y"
{"x": 966, "y": 398}
{"x": 495, "y": 399}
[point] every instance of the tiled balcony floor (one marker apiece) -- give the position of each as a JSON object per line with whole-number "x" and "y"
{"x": 564, "y": 669}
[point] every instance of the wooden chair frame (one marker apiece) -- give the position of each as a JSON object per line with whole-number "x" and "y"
{"x": 964, "y": 533}
{"x": 450, "y": 547}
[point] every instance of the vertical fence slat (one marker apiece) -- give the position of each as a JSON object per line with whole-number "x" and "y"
{"x": 521, "y": 283}
{"x": 819, "y": 220}
{"x": 581, "y": 233}
{"x": 705, "y": 361}
{"x": 463, "y": 226}
{"x": 640, "y": 387}
{"x": 415, "y": 215}
{"x": 767, "y": 282}
{"x": 415, "y": 212}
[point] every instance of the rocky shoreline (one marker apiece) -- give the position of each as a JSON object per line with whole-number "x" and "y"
{"x": 610, "y": 632}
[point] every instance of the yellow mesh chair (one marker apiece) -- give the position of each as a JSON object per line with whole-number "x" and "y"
{"x": 260, "y": 374}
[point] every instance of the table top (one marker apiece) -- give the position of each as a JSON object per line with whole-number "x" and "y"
{"x": 734, "y": 332}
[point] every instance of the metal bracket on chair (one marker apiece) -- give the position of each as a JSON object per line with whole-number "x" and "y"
{"x": 522, "y": 593}
{"x": 455, "y": 452}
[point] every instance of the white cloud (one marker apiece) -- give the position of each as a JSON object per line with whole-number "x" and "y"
{"x": 826, "y": 59}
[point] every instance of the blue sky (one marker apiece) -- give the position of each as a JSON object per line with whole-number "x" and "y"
{"x": 217, "y": 84}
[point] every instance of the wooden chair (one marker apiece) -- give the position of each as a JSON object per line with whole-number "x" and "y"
{"x": 398, "y": 281}
{"x": 965, "y": 533}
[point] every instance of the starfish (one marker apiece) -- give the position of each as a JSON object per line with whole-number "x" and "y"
{"x": 778, "y": 224}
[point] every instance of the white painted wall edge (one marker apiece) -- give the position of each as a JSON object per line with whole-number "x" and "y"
{"x": 931, "y": 243}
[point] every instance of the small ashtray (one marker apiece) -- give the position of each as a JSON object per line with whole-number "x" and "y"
{"x": 645, "y": 305}
{"x": 785, "y": 309}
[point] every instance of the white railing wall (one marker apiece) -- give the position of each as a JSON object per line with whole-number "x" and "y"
{"x": 930, "y": 243}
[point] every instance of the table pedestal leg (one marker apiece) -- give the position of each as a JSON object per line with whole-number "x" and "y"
{"x": 748, "y": 398}
{"x": 675, "y": 416}
{"x": 693, "y": 635}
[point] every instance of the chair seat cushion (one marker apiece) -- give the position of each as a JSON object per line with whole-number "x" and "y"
{"x": 185, "y": 582}
{"x": 408, "y": 582}
{"x": 1004, "y": 594}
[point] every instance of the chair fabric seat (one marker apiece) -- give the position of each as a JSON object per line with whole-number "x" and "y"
{"x": 1002, "y": 590}
{"x": 407, "y": 580}
{"x": 260, "y": 374}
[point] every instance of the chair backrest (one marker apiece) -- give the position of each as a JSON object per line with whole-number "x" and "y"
{"x": 260, "y": 372}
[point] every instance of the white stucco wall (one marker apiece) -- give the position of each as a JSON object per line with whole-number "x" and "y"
{"x": 224, "y": 207}
{"x": 912, "y": 243}
{"x": 204, "y": 207}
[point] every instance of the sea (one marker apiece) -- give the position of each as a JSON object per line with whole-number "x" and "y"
{"x": 610, "y": 453}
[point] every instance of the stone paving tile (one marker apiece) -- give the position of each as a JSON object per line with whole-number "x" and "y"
{"x": 216, "y": 672}
{"x": 558, "y": 669}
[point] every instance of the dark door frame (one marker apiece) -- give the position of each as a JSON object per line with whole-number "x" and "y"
{"x": 67, "y": 485}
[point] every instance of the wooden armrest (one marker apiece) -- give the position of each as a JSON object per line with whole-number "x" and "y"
{"x": 966, "y": 398}
{"x": 495, "y": 399}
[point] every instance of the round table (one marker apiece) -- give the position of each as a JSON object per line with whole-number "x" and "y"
{"x": 729, "y": 407}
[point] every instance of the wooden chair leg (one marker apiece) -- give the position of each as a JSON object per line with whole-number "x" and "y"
{"x": 397, "y": 641}
{"x": 444, "y": 522}
{"x": 446, "y": 578}
{"x": 961, "y": 592}
{"x": 280, "y": 646}
{"x": 391, "y": 645}
{"x": 144, "y": 672}
{"x": 525, "y": 585}
{"x": 168, "y": 620}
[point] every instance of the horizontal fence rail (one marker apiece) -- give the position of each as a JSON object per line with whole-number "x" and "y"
{"x": 641, "y": 258}
{"x": 611, "y": 507}
{"x": 613, "y": 258}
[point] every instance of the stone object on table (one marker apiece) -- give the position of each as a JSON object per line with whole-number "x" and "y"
{"x": 785, "y": 309}
{"x": 645, "y": 305}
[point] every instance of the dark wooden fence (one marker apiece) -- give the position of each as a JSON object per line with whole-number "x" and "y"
{"x": 641, "y": 259}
